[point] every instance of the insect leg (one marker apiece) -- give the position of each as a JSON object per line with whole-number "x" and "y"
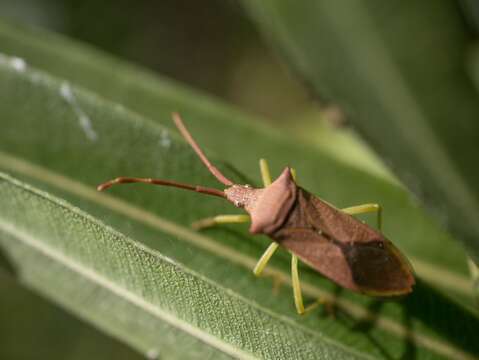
{"x": 298, "y": 297}
{"x": 261, "y": 264}
{"x": 365, "y": 208}
{"x": 265, "y": 174}
{"x": 220, "y": 219}
{"x": 293, "y": 173}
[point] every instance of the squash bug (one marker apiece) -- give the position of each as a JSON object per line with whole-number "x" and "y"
{"x": 331, "y": 241}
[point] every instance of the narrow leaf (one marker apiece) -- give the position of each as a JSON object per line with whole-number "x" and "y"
{"x": 129, "y": 289}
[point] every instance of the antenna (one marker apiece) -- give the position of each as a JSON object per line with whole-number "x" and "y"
{"x": 196, "y": 188}
{"x": 186, "y": 134}
{"x": 129, "y": 180}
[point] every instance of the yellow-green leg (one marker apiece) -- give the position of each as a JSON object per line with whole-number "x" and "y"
{"x": 298, "y": 297}
{"x": 366, "y": 208}
{"x": 265, "y": 174}
{"x": 263, "y": 260}
{"x": 220, "y": 219}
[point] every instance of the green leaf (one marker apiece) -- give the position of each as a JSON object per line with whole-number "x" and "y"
{"x": 131, "y": 290}
{"x": 65, "y": 139}
{"x": 46, "y": 331}
{"x": 399, "y": 71}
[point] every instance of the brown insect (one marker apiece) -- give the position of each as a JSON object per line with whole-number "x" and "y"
{"x": 331, "y": 241}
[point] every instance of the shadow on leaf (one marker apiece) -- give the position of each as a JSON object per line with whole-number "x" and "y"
{"x": 423, "y": 308}
{"x": 6, "y": 265}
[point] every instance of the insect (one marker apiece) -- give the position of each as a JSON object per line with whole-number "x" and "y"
{"x": 331, "y": 241}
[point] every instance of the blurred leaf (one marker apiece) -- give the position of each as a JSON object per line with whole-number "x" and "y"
{"x": 341, "y": 142}
{"x": 65, "y": 139}
{"x": 33, "y": 328}
{"x": 474, "y": 270}
{"x": 470, "y": 11}
{"x": 397, "y": 69}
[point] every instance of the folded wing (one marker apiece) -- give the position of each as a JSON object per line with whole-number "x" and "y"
{"x": 343, "y": 249}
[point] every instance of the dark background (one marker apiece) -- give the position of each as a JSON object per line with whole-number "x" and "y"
{"x": 210, "y": 45}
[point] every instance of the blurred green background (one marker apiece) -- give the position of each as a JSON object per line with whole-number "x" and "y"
{"x": 211, "y": 45}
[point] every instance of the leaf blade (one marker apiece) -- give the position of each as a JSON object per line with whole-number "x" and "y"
{"x": 100, "y": 238}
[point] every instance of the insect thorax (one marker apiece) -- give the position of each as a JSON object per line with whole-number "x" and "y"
{"x": 268, "y": 207}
